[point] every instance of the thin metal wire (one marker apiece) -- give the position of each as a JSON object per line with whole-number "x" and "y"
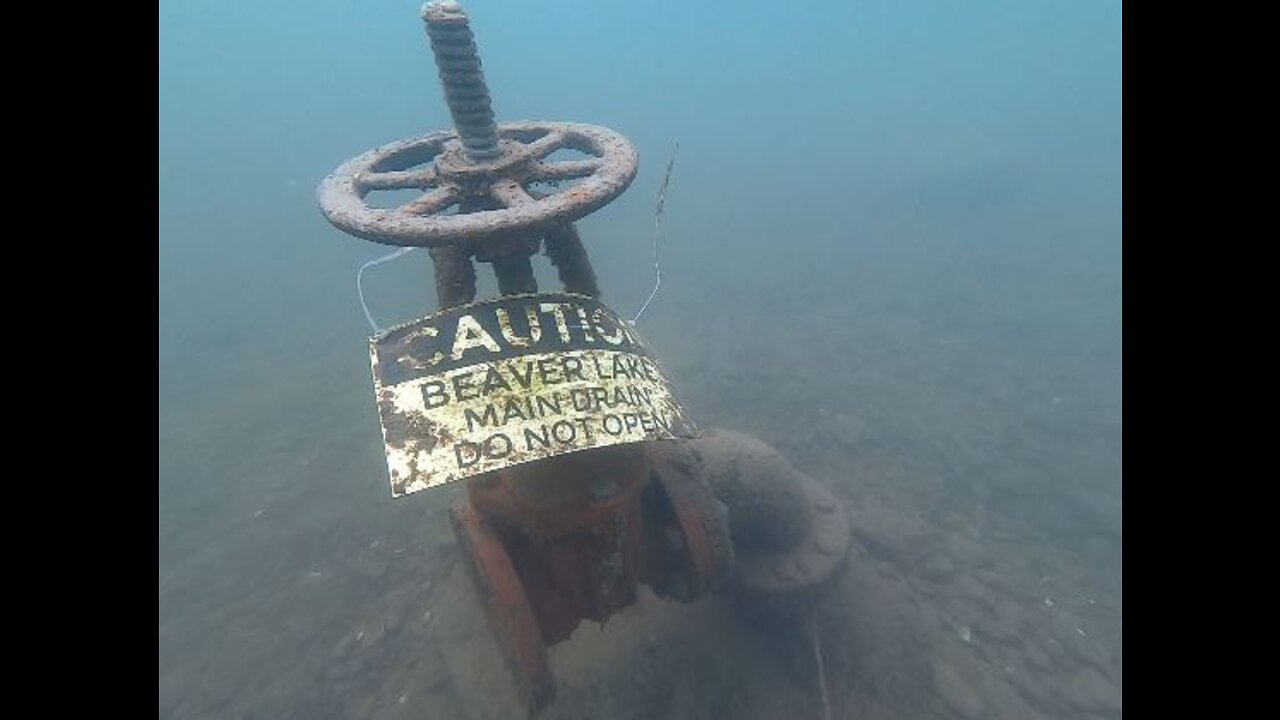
{"x": 360, "y": 285}
{"x": 822, "y": 672}
{"x": 657, "y": 231}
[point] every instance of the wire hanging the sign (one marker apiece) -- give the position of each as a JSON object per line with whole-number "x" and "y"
{"x": 360, "y": 286}
{"x": 657, "y": 231}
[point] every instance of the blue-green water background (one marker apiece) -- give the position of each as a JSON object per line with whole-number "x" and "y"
{"x": 892, "y": 249}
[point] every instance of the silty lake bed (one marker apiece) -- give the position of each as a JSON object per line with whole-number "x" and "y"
{"x": 983, "y": 482}
{"x": 892, "y": 248}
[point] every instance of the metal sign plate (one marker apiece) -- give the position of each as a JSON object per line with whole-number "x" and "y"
{"x": 501, "y": 382}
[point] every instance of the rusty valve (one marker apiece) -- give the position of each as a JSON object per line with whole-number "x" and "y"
{"x": 553, "y": 542}
{"x": 483, "y": 169}
{"x": 437, "y": 164}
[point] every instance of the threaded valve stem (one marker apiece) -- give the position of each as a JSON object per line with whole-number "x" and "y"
{"x": 458, "y": 62}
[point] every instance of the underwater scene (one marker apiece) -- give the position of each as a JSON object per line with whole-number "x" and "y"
{"x": 575, "y": 360}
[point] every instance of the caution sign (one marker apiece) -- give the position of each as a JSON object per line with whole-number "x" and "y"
{"x": 505, "y": 381}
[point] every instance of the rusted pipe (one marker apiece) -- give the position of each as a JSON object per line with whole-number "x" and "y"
{"x": 455, "y": 275}
{"x": 563, "y": 246}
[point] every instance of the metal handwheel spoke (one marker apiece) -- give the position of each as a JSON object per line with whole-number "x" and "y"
{"x": 435, "y": 201}
{"x": 545, "y": 145}
{"x": 511, "y": 194}
{"x": 565, "y": 169}
{"x": 397, "y": 180}
{"x": 424, "y": 223}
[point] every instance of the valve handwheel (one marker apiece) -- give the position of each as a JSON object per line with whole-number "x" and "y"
{"x": 453, "y": 184}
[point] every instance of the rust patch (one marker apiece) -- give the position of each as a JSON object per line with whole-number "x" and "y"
{"x": 436, "y": 164}
{"x": 506, "y": 606}
{"x": 487, "y": 386}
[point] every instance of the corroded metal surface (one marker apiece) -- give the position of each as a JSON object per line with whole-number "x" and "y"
{"x": 791, "y": 534}
{"x": 574, "y": 529}
{"x": 570, "y": 538}
{"x": 486, "y": 386}
{"x": 585, "y": 483}
{"x": 465, "y": 91}
{"x": 580, "y": 493}
{"x": 455, "y": 275}
{"x": 808, "y": 565}
{"x": 506, "y": 606}
{"x": 564, "y": 247}
{"x": 436, "y": 165}
{"x": 705, "y": 555}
